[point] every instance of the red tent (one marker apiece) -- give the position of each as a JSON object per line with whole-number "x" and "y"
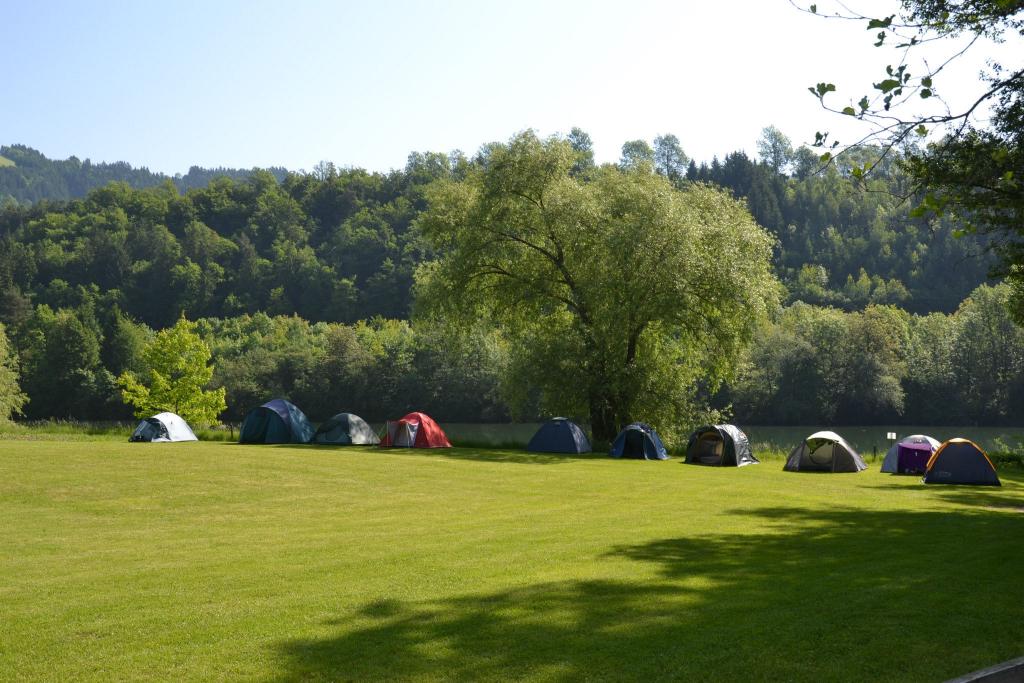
{"x": 415, "y": 430}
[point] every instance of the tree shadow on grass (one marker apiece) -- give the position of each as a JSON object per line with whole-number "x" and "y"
{"x": 502, "y": 455}
{"x": 843, "y": 594}
{"x": 1009, "y": 496}
{"x": 512, "y": 455}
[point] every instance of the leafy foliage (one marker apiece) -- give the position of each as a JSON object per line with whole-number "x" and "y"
{"x": 815, "y": 365}
{"x": 12, "y": 398}
{"x": 176, "y": 379}
{"x": 301, "y": 285}
{"x": 619, "y": 294}
{"x": 973, "y": 166}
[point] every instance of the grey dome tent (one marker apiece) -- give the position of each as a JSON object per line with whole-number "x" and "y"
{"x": 719, "y": 445}
{"x": 559, "y": 435}
{"x": 960, "y": 461}
{"x": 824, "y": 452}
{"x": 163, "y": 427}
{"x": 639, "y": 441}
{"x": 910, "y": 455}
{"x": 276, "y": 421}
{"x": 345, "y": 429}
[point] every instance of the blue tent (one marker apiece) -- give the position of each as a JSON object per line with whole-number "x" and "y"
{"x": 640, "y": 441}
{"x": 276, "y": 421}
{"x": 559, "y": 435}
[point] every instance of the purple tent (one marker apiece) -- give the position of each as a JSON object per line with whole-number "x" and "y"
{"x": 910, "y": 455}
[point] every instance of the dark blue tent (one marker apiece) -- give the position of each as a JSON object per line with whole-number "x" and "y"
{"x": 559, "y": 435}
{"x": 640, "y": 441}
{"x": 276, "y": 421}
{"x": 961, "y": 461}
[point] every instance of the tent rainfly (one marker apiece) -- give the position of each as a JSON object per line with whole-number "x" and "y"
{"x": 276, "y": 421}
{"x": 345, "y": 429}
{"x": 910, "y": 455}
{"x": 163, "y": 427}
{"x": 960, "y": 461}
{"x": 719, "y": 445}
{"x": 824, "y": 452}
{"x": 638, "y": 441}
{"x": 559, "y": 435}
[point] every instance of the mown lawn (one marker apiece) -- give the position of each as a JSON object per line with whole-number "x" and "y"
{"x": 219, "y": 561}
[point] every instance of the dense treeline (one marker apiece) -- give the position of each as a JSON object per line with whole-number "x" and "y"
{"x": 341, "y": 245}
{"x": 280, "y": 272}
{"x": 335, "y": 247}
{"x": 818, "y": 365}
{"x": 69, "y": 360}
{"x": 849, "y": 244}
{"x": 27, "y": 176}
{"x": 810, "y": 365}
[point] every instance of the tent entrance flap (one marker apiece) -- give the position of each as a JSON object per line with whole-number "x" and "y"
{"x": 821, "y": 456}
{"x": 710, "y": 448}
{"x": 634, "y": 444}
{"x": 159, "y": 430}
{"x": 912, "y": 458}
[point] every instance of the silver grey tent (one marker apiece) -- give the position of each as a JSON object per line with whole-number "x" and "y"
{"x": 910, "y": 455}
{"x": 163, "y": 427}
{"x": 346, "y": 429}
{"x": 719, "y": 445}
{"x": 824, "y": 452}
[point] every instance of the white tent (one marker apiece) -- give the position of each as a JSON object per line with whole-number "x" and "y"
{"x": 824, "y": 452}
{"x": 163, "y": 427}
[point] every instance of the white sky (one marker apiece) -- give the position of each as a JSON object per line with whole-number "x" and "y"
{"x": 242, "y": 84}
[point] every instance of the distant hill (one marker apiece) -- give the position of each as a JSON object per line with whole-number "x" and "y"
{"x": 27, "y": 176}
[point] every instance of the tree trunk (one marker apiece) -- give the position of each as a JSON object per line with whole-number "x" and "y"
{"x": 603, "y": 417}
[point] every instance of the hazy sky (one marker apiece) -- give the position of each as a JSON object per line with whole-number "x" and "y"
{"x": 253, "y": 83}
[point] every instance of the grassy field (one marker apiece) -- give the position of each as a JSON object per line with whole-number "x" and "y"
{"x": 4, "y": 161}
{"x": 219, "y": 561}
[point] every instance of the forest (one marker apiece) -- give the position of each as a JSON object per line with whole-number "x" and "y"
{"x": 302, "y": 284}
{"x": 27, "y": 176}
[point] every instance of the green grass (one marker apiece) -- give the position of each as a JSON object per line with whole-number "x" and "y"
{"x": 4, "y": 161}
{"x": 218, "y": 561}
{"x": 74, "y": 430}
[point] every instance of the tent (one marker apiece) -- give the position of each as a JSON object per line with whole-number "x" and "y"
{"x": 910, "y": 455}
{"x": 276, "y": 421}
{"x": 415, "y": 430}
{"x": 559, "y": 435}
{"x": 824, "y": 452}
{"x": 345, "y": 429}
{"x": 719, "y": 445}
{"x": 960, "y": 461}
{"x": 163, "y": 427}
{"x": 640, "y": 441}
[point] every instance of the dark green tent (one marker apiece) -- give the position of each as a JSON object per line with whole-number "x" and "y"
{"x": 345, "y": 429}
{"x": 276, "y": 421}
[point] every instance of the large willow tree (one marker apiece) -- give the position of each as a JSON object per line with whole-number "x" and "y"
{"x": 617, "y": 294}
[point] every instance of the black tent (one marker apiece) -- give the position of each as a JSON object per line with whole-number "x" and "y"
{"x": 824, "y": 452}
{"x": 960, "y": 461}
{"x": 719, "y": 445}
{"x": 346, "y": 429}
